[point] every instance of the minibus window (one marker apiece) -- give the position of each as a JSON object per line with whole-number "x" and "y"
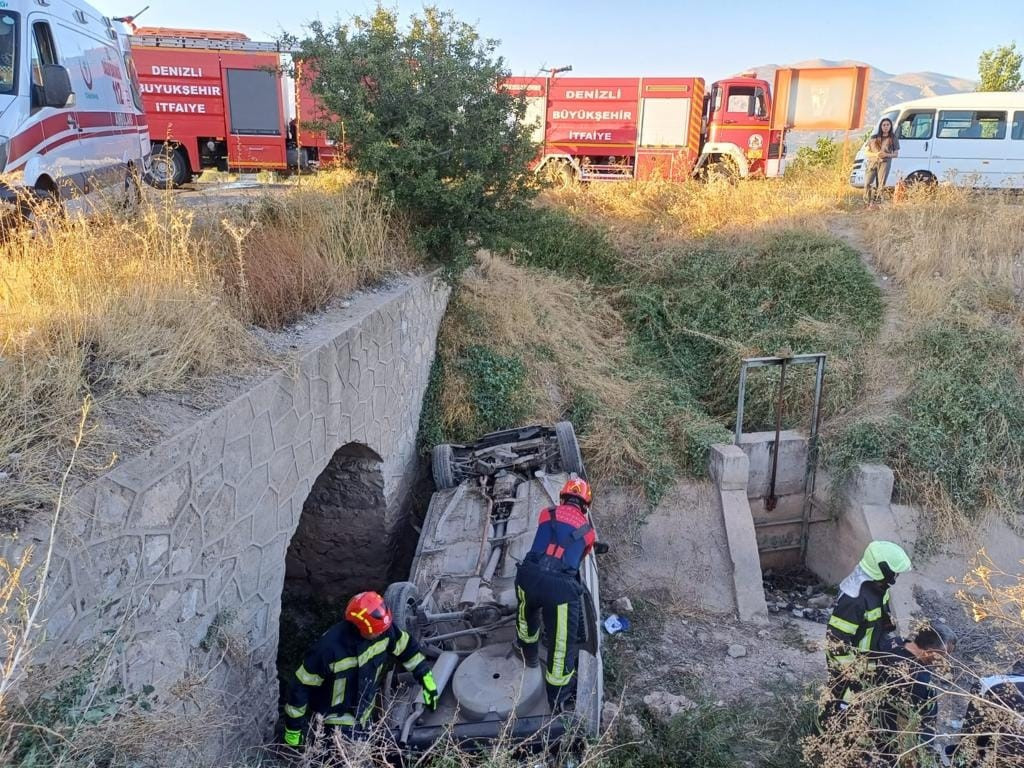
{"x": 916, "y": 126}
{"x": 1018, "y": 126}
{"x": 8, "y": 52}
{"x": 971, "y": 124}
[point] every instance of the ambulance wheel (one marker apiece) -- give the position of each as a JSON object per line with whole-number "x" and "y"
{"x": 569, "y": 449}
{"x": 403, "y": 599}
{"x": 168, "y": 167}
{"x": 442, "y": 466}
{"x": 132, "y": 191}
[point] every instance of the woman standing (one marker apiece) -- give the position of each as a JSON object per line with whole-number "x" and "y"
{"x": 883, "y": 146}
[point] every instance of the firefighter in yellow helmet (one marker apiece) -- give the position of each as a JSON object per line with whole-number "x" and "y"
{"x": 860, "y": 622}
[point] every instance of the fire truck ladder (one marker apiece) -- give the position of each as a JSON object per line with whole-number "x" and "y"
{"x": 208, "y": 44}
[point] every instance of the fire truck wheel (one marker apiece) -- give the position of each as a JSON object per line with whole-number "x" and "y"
{"x": 723, "y": 168}
{"x": 560, "y": 173}
{"x": 168, "y": 168}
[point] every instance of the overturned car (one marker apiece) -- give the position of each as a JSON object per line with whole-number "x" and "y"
{"x": 460, "y": 601}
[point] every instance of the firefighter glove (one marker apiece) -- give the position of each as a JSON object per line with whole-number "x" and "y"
{"x": 430, "y": 694}
{"x": 601, "y": 548}
{"x": 292, "y": 738}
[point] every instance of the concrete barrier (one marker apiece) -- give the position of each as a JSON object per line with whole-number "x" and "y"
{"x": 729, "y": 468}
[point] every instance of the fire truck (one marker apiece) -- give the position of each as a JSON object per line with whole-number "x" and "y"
{"x": 592, "y": 129}
{"x": 219, "y": 100}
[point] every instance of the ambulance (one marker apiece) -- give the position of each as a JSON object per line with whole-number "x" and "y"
{"x": 71, "y": 117}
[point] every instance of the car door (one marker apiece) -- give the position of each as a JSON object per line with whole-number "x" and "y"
{"x": 916, "y": 133}
{"x": 58, "y": 149}
{"x": 970, "y": 147}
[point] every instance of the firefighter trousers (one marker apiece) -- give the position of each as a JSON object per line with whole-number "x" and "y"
{"x": 552, "y": 598}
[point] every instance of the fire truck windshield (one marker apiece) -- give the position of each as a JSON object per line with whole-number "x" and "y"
{"x": 8, "y": 52}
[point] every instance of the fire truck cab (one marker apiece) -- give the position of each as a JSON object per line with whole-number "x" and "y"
{"x": 735, "y": 133}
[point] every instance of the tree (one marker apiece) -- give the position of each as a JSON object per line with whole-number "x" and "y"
{"x": 425, "y": 115}
{"x": 999, "y": 69}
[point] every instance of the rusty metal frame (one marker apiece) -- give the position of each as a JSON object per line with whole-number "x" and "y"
{"x": 811, "y": 475}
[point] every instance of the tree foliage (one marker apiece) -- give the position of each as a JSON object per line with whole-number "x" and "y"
{"x": 999, "y": 69}
{"x": 424, "y": 114}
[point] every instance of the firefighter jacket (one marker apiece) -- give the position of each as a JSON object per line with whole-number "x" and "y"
{"x": 565, "y": 534}
{"x": 858, "y": 625}
{"x": 342, "y": 673}
{"x": 908, "y": 704}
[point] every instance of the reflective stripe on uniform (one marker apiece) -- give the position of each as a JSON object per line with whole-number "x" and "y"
{"x": 366, "y": 715}
{"x": 873, "y": 615}
{"x": 522, "y": 626}
{"x": 865, "y": 642}
{"x": 374, "y": 650}
{"x": 295, "y": 712}
{"x": 349, "y": 662}
{"x": 842, "y": 625}
{"x": 414, "y": 662}
{"x": 403, "y": 641}
{"x": 308, "y": 678}
{"x": 885, "y": 598}
{"x": 339, "y": 720}
{"x": 842, "y": 659}
{"x": 555, "y": 674}
{"x": 338, "y": 695}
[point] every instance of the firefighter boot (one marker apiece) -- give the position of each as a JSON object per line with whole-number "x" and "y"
{"x": 529, "y": 654}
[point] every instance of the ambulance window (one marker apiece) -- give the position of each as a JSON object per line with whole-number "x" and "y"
{"x": 8, "y": 51}
{"x": 133, "y": 78}
{"x": 43, "y": 52}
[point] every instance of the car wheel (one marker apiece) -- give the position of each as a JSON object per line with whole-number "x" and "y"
{"x": 168, "y": 168}
{"x": 569, "y": 449}
{"x": 132, "y": 192}
{"x": 922, "y": 178}
{"x": 442, "y": 465}
{"x": 402, "y": 599}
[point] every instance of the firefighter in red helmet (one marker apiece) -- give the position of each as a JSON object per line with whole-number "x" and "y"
{"x": 549, "y": 589}
{"x": 340, "y": 676}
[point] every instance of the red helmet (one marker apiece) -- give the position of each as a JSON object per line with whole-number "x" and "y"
{"x": 369, "y": 613}
{"x": 579, "y": 488}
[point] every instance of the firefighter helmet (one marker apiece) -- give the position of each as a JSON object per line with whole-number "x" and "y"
{"x": 579, "y": 488}
{"x": 369, "y": 613}
{"x": 883, "y": 556}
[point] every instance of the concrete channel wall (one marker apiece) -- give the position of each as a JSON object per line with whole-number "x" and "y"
{"x": 169, "y": 568}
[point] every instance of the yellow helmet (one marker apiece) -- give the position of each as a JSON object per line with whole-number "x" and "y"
{"x": 879, "y": 553}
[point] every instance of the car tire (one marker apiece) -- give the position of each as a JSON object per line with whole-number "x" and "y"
{"x": 920, "y": 178}
{"x": 569, "y": 449}
{"x": 168, "y": 167}
{"x": 442, "y": 466}
{"x": 132, "y": 201}
{"x": 402, "y": 599}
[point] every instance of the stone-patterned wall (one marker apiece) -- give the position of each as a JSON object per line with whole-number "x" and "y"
{"x": 186, "y": 544}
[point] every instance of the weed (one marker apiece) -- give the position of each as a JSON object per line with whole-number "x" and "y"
{"x": 496, "y": 387}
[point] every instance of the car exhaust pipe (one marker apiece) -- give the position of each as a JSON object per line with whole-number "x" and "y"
{"x": 442, "y": 671}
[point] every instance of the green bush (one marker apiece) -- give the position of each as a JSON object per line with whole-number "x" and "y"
{"x": 825, "y": 154}
{"x": 556, "y": 240}
{"x": 497, "y": 388}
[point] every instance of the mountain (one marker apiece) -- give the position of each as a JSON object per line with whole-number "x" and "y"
{"x": 884, "y": 89}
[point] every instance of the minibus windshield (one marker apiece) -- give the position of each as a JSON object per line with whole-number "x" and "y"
{"x": 8, "y": 52}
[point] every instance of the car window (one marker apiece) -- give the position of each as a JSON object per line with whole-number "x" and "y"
{"x": 971, "y": 124}
{"x": 916, "y": 126}
{"x": 43, "y": 52}
{"x": 1018, "y": 126}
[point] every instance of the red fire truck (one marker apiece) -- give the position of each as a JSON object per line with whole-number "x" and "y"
{"x": 218, "y": 100}
{"x": 640, "y": 127}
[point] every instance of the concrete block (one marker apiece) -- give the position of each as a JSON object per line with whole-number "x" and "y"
{"x": 792, "y": 465}
{"x": 729, "y": 467}
{"x": 746, "y": 564}
{"x": 870, "y": 484}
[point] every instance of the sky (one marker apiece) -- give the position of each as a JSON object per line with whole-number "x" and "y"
{"x": 706, "y": 39}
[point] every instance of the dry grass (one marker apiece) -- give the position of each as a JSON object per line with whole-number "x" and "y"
{"x": 953, "y": 250}
{"x": 645, "y": 214}
{"x": 570, "y": 340}
{"x": 111, "y": 307}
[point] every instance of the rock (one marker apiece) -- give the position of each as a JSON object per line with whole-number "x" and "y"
{"x": 609, "y": 714}
{"x": 820, "y": 601}
{"x": 798, "y": 612}
{"x": 737, "y": 651}
{"x": 623, "y": 605}
{"x": 763, "y": 634}
{"x": 812, "y": 646}
{"x": 633, "y": 727}
{"x": 667, "y": 705}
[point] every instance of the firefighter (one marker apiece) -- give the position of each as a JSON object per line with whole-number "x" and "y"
{"x": 549, "y": 589}
{"x": 860, "y": 623}
{"x": 340, "y": 676}
{"x": 994, "y": 723}
{"x": 907, "y": 701}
